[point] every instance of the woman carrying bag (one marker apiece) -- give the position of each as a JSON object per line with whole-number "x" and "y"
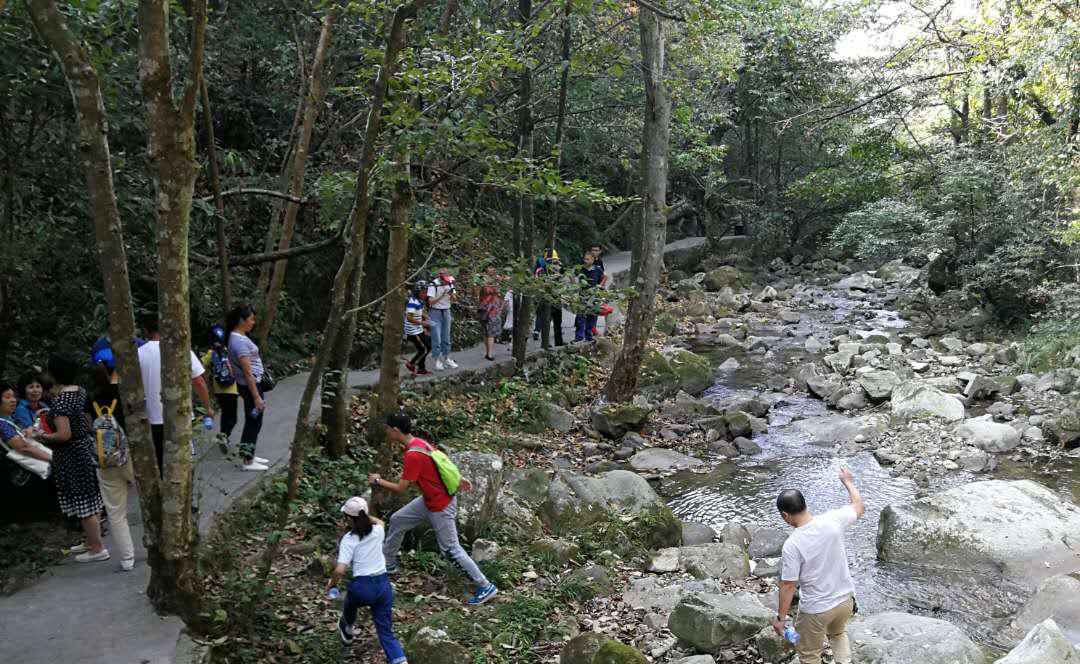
{"x": 26, "y": 453}
{"x": 252, "y": 380}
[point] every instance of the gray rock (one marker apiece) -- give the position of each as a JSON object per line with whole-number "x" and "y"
{"x": 1057, "y": 597}
{"x": 791, "y": 317}
{"x": 771, "y": 648}
{"x": 735, "y": 533}
{"x": 894, "y": 349}
{"x": 1018, "y": 530}
{"x": 738, "y": 423}
{"x": 755, "y": 406}
{"x": 915, "y": 400}
{"x": 1044, "y": 644}
{"x": 659, "y": 458}
{"x": 812, "y": 345}
{"x": 1005, "y": 355}
{"x": 576, "y": 500}
{"x": 1063, "y": 429}
{"x": 477, "y": 508}
{"x": 860, "y": 281}
{"x": 593, "y": 581}
{"x": 634, "y": 440}
{"x": 767, "y": 542}
{"x": 697, "y": 533}
{"x": 746, "y": 446}
{"x": 729, "y": 365}
{"x": 559, "y": 418}
{"x": 623, "y": 453}
{"x": 652, "y": 593}
{"x": 484, "y": 550}
{"x": 725, "y": 277}
{"x": 901, "y": 638}
{"x": 696, "y": 659}
{"x": 879, "y": 385}
{"x": 822, "y": 387}
{"x": 952, "y": 344}
{"x": 839, "y": 362}
{"x": 854, "y": 400}
{"x": 978, "y": 349}
{"x": 975, "y": 461}
{"x": 554, "y": 549}
{"x": 703, "y": 561}
{"x": 710, "y": 622}
{"x": 433, "y": 646}
{"x": 986, "y": 434}
{"x": 832, "y": 429}
{"x": 615, "y": 420}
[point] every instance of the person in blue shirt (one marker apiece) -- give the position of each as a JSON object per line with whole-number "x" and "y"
{"x": 32, "y": 389}
{"x": 591, "y": 276}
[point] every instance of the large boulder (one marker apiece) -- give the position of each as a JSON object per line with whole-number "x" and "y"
{"x": 1044, "y": 644}
{"x": 574, "y": 501}
{"x": 595, "y": 648}
{"x": 901, "y": 638}
{"x": 433, "y": 646}
{"x": 478, "y": 508}
{"x": 659, "y": 458}
{"x": 833, "y": 429}
{"x": 558, "y": 418}
{"x": 614, "y": 420}
{"x": 704, "y": 561}
{"x": 859, "y": 281}
{"x": 1064, "y": 428}
{"x": 915, "y": 400}
{"x": 986, "y": 434}
{"x": 879, "y": 385}
{"x": 652, "y": 593}
{"x": 711, "y": 622}
{"x": 1020, "y": 530}
{"x": 1057, "y": 597}
{"x": 725, "y": 276}
{"x": 672, "y": 369}
{"x": 823, "y": 387}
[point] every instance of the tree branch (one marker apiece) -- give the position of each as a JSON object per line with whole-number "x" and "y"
{"x": 886, "y": 93}
{"x": 271, "y": 256}
{"x": 660, "y": 12}
{"x": 259, "y": 192}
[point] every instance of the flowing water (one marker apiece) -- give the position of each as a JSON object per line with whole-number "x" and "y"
{"x": 745, "y": 490}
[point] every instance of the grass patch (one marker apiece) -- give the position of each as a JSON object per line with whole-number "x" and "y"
{"x": 1049, "y": 345}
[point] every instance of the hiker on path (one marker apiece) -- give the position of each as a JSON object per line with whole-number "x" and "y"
{"x": 598, "y": 260}
{"x": 441, "y": 294}
{"x": 223, "y": 379}
{"x": 361, "y": 549}
{"x": 415, "y": 322}
{"x": 250, "y": 375}
{"x": 490, "y": 310}
{"x": 150, "y": 365}
{"x": 814, "y": 558}
{"x": 436, "y": 504}
{"x": 73, "y": 458}
{"x": 550, "y": 312}
{"x": 591, "y": 276}
{"x": 114, "y": 480}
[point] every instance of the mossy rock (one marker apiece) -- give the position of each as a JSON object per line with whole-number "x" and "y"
{"x": 614, "y": 420}
{"x": 433, "y": 646}
{"x": 678, "y": 369}
{"x": 590, "y": 581}
{"x": 530, "y": 484}
{"x": 613, "y": 652}
{"x": 662, "y": 529}
{"x": 593, "y": 648}
{"x": 725, "y": 276}
{"x": 556, "y": 550}
{"x": 666, "y": 323}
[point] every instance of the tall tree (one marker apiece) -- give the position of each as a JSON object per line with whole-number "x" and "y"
{"x": 524, "y": 208}
{"x": 170, "y": 126}
{"x": 311, "y": 105}
{"x": 651, "y": 227}
{"x": 219, "y": 200}
{"x": 94, "y": 155}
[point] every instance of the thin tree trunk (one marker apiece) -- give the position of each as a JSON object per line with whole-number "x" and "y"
{"x": 219, "y": 201}
{"x": 397, "y": 261}
{"x": 352, "y": 265}
{"x": 312, "y": 104}
{"x": 560, "y": 122}
{"x": 171, "y": 144}
{"x": 335, "y": 385}
{"x": 93, "y": 150}
{"x": 522, "y": 303}
{"x": 654, "y": 172}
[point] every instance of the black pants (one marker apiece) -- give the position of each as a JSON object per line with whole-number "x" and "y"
{"x": 422, "y": 343}
{"x": 551, "y": 313}
{"x": 157, "y": 432}
{"x": 227, "y": 404}
{"x": 252, "y": 424}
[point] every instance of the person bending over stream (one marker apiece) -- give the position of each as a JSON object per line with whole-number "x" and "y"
{"x": 814, "y": 558}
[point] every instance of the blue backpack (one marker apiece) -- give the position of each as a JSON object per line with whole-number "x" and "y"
{"x": 221, "y": 368}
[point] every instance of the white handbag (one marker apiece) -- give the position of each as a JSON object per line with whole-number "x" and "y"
{"x": 39, "y": 467}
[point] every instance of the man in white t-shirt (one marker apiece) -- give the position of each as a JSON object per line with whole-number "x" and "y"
{"x": 814, "y": 558}
{"x": 441, "y": 293}
{"x": 150, "y": 366}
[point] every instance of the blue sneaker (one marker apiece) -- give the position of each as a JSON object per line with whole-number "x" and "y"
{"x": 347, "y": 632}
{"x": 483, "y": 594}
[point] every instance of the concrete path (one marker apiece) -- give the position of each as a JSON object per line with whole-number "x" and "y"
{"x": 94, "y": 614}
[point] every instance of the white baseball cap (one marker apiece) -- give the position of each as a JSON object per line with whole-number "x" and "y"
{"x": 354, "y": 506}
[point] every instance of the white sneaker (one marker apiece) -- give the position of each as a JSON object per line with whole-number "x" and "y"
{"x": 254, "y": 465}
{"x": 450, "y": 363}
{"x": 439, "y": 366}
{"x": 127, "y": 565}
{"x": 259, "y": 459}
{"x": 78, "y": 548}
{"x": 89, "y": 557}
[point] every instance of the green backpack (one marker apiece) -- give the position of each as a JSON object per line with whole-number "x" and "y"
{"x": 448, "y": 472}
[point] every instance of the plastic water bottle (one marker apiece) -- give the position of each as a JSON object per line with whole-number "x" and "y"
{"x": 333, "y": 593}
{"x": 207, "y": 423}
{"x": 791, "y": 636}
{"x": 255, "y": 413}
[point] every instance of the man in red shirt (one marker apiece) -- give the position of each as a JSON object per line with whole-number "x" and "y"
{"x": 434, "y": 505}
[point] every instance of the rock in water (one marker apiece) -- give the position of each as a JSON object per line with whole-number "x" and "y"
{"x": 1057, "y": 597}
{"x": 673, "y": 369}
{"x": 659, "y": 458}
{"x": 697, "y": 533}
{"x": 710, "y": 622}
{"x": 900, "y": 638}
{"x": 1045, "y": 644}
{"x": 767, "y": 542}
{"x": 832, "y": 429}
{"x": 915, "y": 400}
{"x": 859, "y": 281}
{"x": 986, "y": 434}
{"x": 1018, "y": 530}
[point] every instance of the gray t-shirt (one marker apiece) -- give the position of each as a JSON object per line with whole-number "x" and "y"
{"x": 241, "y": 346}
{"x": 814, "y": 555}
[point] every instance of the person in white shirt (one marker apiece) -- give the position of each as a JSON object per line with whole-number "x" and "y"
{"x": 150, "y": 366}
{"x": 440, "y": 295}
{"x": 815, "y": 559}
{"x": 361, "y": 548}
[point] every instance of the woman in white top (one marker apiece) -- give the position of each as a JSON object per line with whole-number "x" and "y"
{"x": 361, "y": 548}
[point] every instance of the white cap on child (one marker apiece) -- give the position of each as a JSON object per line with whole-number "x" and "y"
{"x": 354, "y": 506}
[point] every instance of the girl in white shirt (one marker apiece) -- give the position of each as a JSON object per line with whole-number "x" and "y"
{"x": 361, "y": 548}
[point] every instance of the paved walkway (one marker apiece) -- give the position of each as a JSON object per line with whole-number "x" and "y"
{"x": 93, "y": 614}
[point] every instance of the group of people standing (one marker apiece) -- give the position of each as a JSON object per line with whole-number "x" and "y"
{"x": 428, "y": 311}
{"x": 51, "y": 419}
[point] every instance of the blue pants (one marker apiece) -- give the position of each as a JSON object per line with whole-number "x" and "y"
{"x": 583, "y": 326}
{"x": 375, "y": 592}
{"x": 440, "y": 332}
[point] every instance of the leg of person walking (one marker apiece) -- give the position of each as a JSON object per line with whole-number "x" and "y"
{"x": 837, "y": 632}
{"x": 425, "y": 344}
{"x": 157, "y": 432}
{"x": 444, "y": 524}
{"x": 436, "y": 316}
{"x": 579, "y": 327}
{"x": 811, "y": 628}
{"x": 590, "y": 325}
{"x": 249, "y": 437}
{"x": 228, "y": 405}
{"x": 382, "y": 615}
{"x": 114, "y": 493}
{"x": 401, "y": 522}
{"x": 557, "y": 322}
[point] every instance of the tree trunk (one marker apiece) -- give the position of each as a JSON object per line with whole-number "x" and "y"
{"x": 171, "y": 144}
{"x": 351, "y": 270}
{"x": 219, "y": 201}
{"x": 397, "y": 293}
{"x": 335, "y": 385}
{"x": 522, "y": 303}
{"x": 93, "y": 149}
{"x": 312, "y": 103}
{"x": 654, "y": 172}
{"x": 560, "y": 119}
